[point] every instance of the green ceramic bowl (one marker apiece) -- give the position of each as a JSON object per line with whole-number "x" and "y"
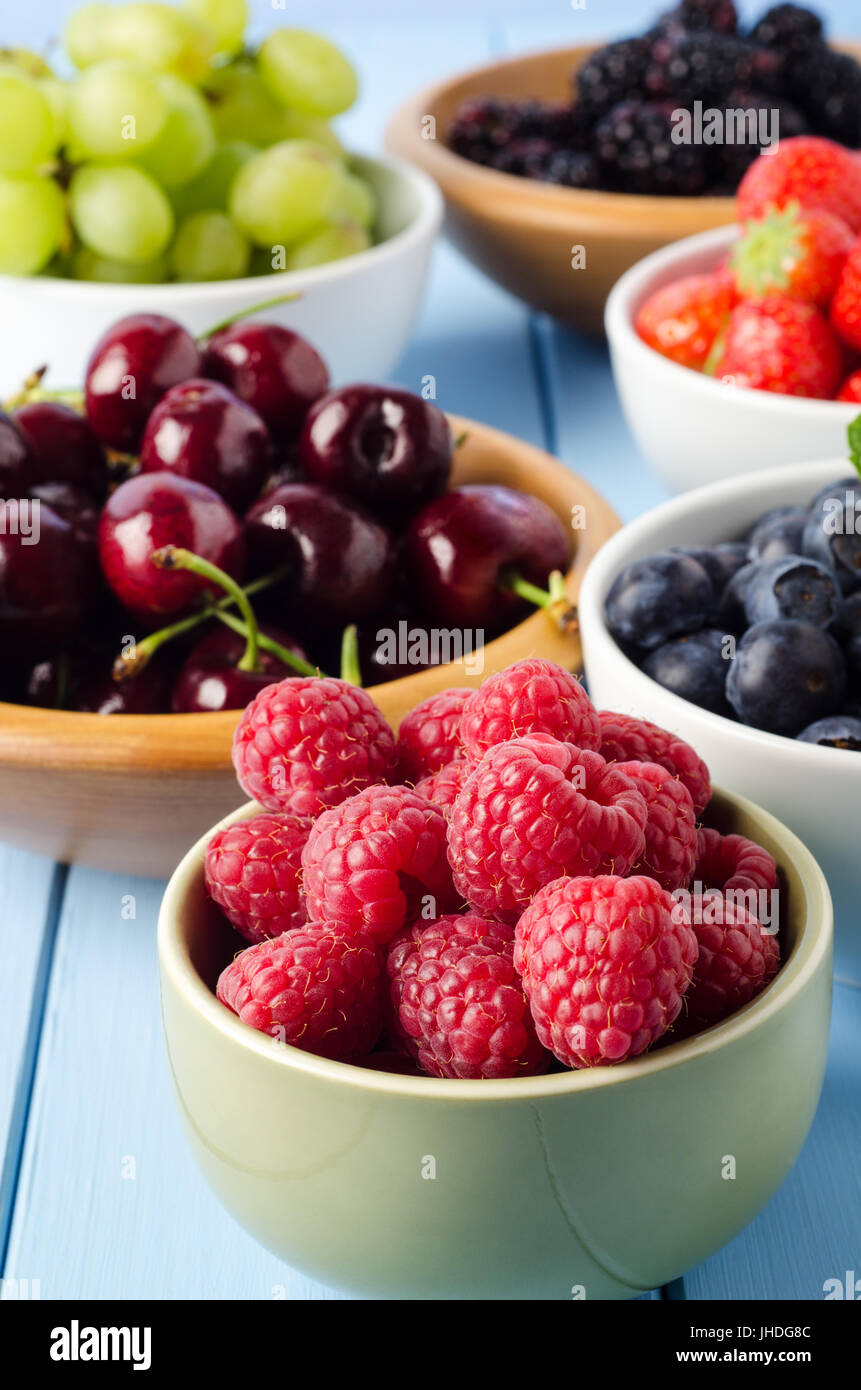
{"x": 599, "y": 1183}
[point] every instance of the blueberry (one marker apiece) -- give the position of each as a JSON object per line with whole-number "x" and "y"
{"x": 785, "y": 675}
{"x": 847, "y": 630}
{"x": 731, "y": 614}
{"x": 792, "y": 587}
{"x": 720, "y": 562}
{"x": 693, "y": 667}
{"x": 777, "y": 533}
{"x": 659, "y": 597}
{"x": 832, "y": 534}
{"x": 837, "y": 488}
{"x": 840, "y": 731}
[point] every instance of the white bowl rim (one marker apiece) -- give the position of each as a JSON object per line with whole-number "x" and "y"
{"x": 633, "y": 285}
{"x": 813, "y": 945}
{"x": 612, "y": 557}
{"x": 423, "y": 226}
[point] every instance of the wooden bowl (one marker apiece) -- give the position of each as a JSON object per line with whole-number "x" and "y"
{"x": 133, "y": 792}
{"x": 521, "y": 232}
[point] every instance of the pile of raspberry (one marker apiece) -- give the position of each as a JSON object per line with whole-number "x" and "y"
{"x": 514, "y": 884}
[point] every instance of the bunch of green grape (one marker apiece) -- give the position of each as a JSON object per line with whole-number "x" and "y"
{"x": 175, "y": 153}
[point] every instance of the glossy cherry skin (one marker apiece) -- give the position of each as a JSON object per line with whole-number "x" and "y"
{"x": 47, "y": 588}
{"x": 131, "y": 367}
{"x": 73, "y": 505}
{"x": 270, "y": 367}
{"x": 340, "y": 560}
{"x": 158, "y": 509}
{"x": 459, "y": 547}
{"x": 209, "y": 679}
{"x": 16, "y": 459}
{"x": 200, "y": 430}
{"x": 88, "y": 685}
{"x": 63, "y": 447}
{"x": 388, "y": 448}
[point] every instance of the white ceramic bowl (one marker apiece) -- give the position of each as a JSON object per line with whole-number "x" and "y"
{"x": 815, "y": 791}
{"x": 358, "y": 312}
{"x": 692, "y": 428}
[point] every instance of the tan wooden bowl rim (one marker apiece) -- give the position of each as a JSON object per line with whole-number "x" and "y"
{"x": 127, "y": 743}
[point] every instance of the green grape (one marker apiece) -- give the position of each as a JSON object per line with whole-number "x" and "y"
{"x": 285, "y": 193}
{"x": 57, "y": 94}
{"x": 356, "y": 201}
{"x": 32, "y": 63}
{"x": 159, "y": 37}
{"x": 83, "y": 36}
{"x": 28, "y": 131}
{"x": 116, "y": 110}
{"x": 333, "y": 243}
{"x": 225, "y": 18}
{"x": 210, "y": 190}
{"x": 243, "y": 108}
{"x": 208, "y": 246}
{"x": 32, "y": 223}
{"x": 120, "y": 212}
{"x": 300, "y": 126}
{"x": 307, "y": 72}
{"x": 186, "y": 142}
{"x": 87, "y": 265}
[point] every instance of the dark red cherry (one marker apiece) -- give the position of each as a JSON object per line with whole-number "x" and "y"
{"x": 147, "y": 693}
{"x": 340, "y": 560}
{"x": 74, "y": 506}
{"x": 210, "y": 679}
{"x": 393, "y": 645}
{"x": 389, "y": 448}
{"x": 49, "y": 577}
{"x": 272, "y": 368}
{"x": 63, "y": 447}
{"x": 16, "y": 459}
{"x": 460, "y": 547}
{"x": 201, "y": 430}
{"x": 131, "y": 367}
{"x": 158, "y": 509}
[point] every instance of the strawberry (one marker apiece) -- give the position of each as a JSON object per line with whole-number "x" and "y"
{"x": 797, "y": 251}
{"x": 851, "y": 389}
{"x": 814, "y": 172}
{"x": 783, "y": 345}
{"x": 846, "y": 304}
{"x": 682, "y": 320}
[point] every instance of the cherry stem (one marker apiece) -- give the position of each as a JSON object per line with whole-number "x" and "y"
{"x": 268, "y": 644}
{"x": 246, "y": 313}
{"x": 350, "y": 668}
{"x": 554, "y": 599}
{"x": 174, "y": 557}
{"x": 32, "y": 390}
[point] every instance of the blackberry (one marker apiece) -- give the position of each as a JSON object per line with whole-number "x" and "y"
{"x": 611, "y": 75}
{"x": 572, "y": 169}
{"x": 698, "y": 67}
{"x": 637, "y": 154}
{"x": 529, "y": 158}
{"x": 720, "y": 16}
{"x": 827, "y": 86}
{"x": 790, "y": 28}
{"x": 731, "y": 161}
{"x": 483, "y": 126}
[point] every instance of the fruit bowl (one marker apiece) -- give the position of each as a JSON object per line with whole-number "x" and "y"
{"x": 691, "y": 427}
{"x": 131, "y": 792}
{"x": 325, "y": 1163}
{"x": 813, "y": 789}
{"x": 358, "y": 311}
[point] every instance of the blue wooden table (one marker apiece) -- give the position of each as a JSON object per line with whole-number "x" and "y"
{"x": 99, "y": 1197}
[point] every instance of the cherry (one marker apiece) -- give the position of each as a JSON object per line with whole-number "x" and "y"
{"x": 148, "y": 693}
{"x": 210, "y": 678}
{"x": 63, "y": 447}
{"x": 201, "y": 430}
{"x": 48, "y": 587}
{"x": 74, "y": 506}
{"x": 16, "y": 459}
{"x": 131, "y": 367}
{"x": 159, "y": 509}
{"x": 389, "y": 448}
{"x": 339, "y": 560}
{"x": 462, "y": 548}
{"x": 393, "y": 634}
{"x": 270, "y": 367}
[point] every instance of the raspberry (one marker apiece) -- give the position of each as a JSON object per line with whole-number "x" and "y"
{"x": 733, "y": 864}
{"x": 533, "y": 810}
{"x": 372, "y": 863}
{"x": 671, "y": 828}
{"x": 313, "y": 987}
{"x": 253, "y": 873}
{"x": 442, "y": 787}
{"x": 624, "y": 738}
{"x": 428, "y": 737}
{"x": 736, "y": 961}
{"x": 458, "y": 1002}
{"x": 605, "y": 963}
{"x": 310, "y": 742}
{"x": 530, "y": 697}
